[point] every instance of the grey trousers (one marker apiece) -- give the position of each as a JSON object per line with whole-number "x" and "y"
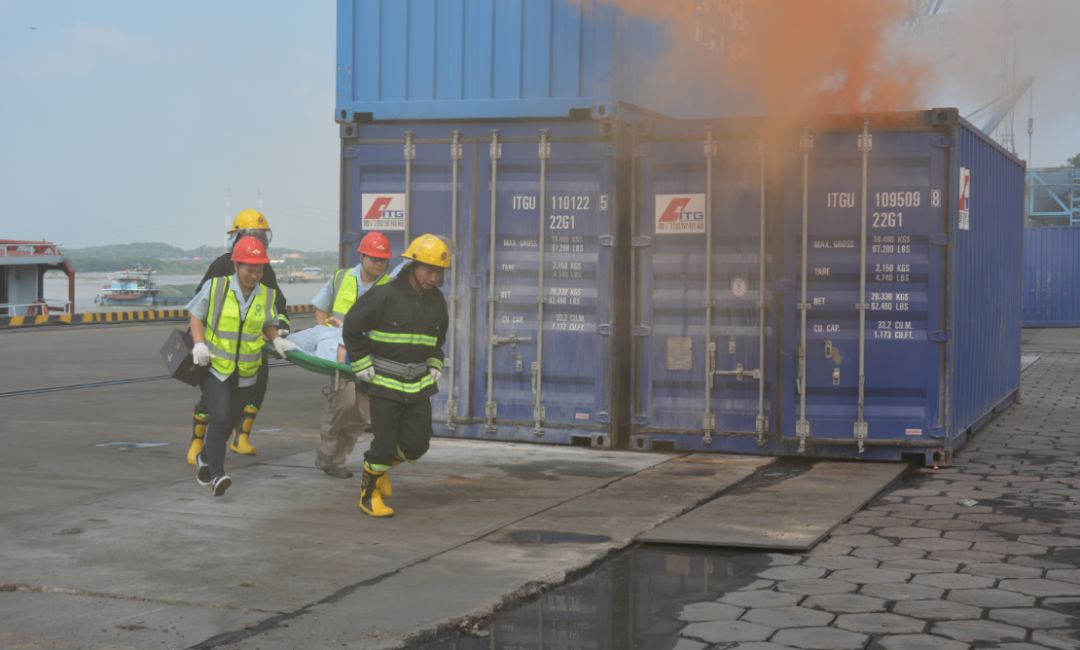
{"x": 347, "y": 415}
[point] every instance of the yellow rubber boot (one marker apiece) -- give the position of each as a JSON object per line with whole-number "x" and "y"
{"x": 241, "y": 443}
{"x": 371, "y": 502}
{"x": 386, "y": 490}
{"x": 198, "y": 434}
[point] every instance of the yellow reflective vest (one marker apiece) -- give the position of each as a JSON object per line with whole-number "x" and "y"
{"x": 346, "y": 292}
{"x": 236, "y": 342}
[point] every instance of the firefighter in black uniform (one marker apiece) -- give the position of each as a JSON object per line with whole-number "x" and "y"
{"x": 247, "y": 222}
{"x": 394, "y": 336}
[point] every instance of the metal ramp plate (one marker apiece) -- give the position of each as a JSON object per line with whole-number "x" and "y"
{"x": 789, "y": 511}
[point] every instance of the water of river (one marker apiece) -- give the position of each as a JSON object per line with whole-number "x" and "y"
{"x": 87, "y": 285}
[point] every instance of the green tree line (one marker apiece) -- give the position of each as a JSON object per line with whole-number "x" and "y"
{"x": 171, "y": 260}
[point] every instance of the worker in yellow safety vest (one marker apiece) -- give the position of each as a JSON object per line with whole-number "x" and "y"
{"x": 229, "y": 318}
{"x": 347, "y": 412}
{"x": 246, "y": 223}
{"x": 394, "y": 336}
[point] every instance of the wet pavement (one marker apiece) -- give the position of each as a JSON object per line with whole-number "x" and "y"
{"x": 984, "y": 554}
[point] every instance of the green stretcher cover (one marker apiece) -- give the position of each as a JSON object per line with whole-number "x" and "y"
{"x": 314, "y": 363}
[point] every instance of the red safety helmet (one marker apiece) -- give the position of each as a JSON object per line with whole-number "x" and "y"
{"x": 375, "y": 244}
{"x": 249, "y": 250}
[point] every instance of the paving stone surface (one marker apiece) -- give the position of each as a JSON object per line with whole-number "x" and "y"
{"x": 821, "y": 638}
{"x": 902, "y": 591}
{"x": 982, "y": 554}
{"x": 880, "y": 623}
{"x": 781, "y": 617}
{"x": 979, "y": 631}
{"x": 727, "y": 631}
{"x": 845, "y": 603}
{"x": 710, "y": 612}
{"x": 918, "y": 642}
{"x": 937, "y": 610}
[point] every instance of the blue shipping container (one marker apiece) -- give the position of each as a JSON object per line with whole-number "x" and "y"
{"x": 640, "y": 284}
{"x": 494, "y": 59}
{"x": 934, "y": 351}
{"x": 532, "y": 354}
{"x": 1052, "y": 277}
{"x": 908, "y": 239}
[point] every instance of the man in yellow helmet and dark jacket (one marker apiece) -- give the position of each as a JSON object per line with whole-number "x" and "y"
{"x": 394, "y": 336}
{"x": 247, "y": 223}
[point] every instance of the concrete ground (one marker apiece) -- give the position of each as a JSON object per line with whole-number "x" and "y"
{"x": 115, "y": 546}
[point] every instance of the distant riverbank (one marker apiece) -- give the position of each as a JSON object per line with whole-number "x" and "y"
{"x": 87, "y": 285}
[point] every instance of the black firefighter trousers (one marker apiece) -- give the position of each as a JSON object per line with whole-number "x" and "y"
{"x": 401, "y": 429}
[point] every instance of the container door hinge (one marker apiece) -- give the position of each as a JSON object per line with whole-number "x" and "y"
{"x": 606, "y": 240}
{"x": 937, "y": 432}
{"x": 351, "y": 152}
{"x": 937, "y": 336}
{"x": 641, "y": 330}
{"x": 940, "y": 239}
{"x": 603, "y": 417}
{"x": 941, "y": 141}
{"x": 640, "y": 419}
{"x": 641, "y": 241}
{"x": 603, "y": 329}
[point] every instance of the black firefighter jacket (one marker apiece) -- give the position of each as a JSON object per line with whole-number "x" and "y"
{"x": 401, "y": 333}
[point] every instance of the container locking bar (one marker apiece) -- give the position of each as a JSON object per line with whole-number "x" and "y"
{"x": 544, "y": 152}
{"x": 490, "y": 407}
{"x": 708, "y": 420}
{"x": 802, "y": 425}
{"x": 410, "y": 156}
{"x": 761, "y": 306}
{"x": 451, "y": 403}
{"x": 865, "y": 144}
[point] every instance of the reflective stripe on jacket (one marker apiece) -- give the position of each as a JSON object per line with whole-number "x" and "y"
{"x": 236, "y": 342}
{"x": 401, "y": 333}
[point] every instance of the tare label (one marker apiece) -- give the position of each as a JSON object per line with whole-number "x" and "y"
{"x": 680, "y": 213}
{"x": 965, "y": 199}
{"x": 382, "y": 212}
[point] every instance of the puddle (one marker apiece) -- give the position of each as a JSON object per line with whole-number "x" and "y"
{"x": 128, "y": 446}
{"x": 778, "y": 472}
{"x": 555, "y": 537}
{"x": 631, "y": 601}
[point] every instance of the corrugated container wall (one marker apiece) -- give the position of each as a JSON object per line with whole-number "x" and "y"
{"x": 907, "y": 234}
{"x": 1052, "y": 277}
{"x": 642, "y": 284}
{"x": 536, "y": 281}
{"x": 909, "y": 283}
{"x": 493, "y": 59}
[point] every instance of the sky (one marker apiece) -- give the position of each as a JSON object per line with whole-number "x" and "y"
{"x": 129, "y": 120}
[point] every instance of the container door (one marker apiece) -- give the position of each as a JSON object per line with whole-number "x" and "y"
{"x": 405, "y": 183}
{"x": 701, "y": 317}
{"x": 872, "y": 382}
{"x": 544, "y": 242}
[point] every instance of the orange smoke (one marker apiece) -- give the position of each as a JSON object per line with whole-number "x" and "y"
{"x": 789, "y": 57}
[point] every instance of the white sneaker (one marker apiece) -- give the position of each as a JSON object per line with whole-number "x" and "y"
{"x": 220, "y": 484}
{"x": 202, "y": 471}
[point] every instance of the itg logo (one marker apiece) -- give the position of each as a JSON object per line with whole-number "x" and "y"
{"x": 680, "y": 213}
{"x": 382, "y": 212}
